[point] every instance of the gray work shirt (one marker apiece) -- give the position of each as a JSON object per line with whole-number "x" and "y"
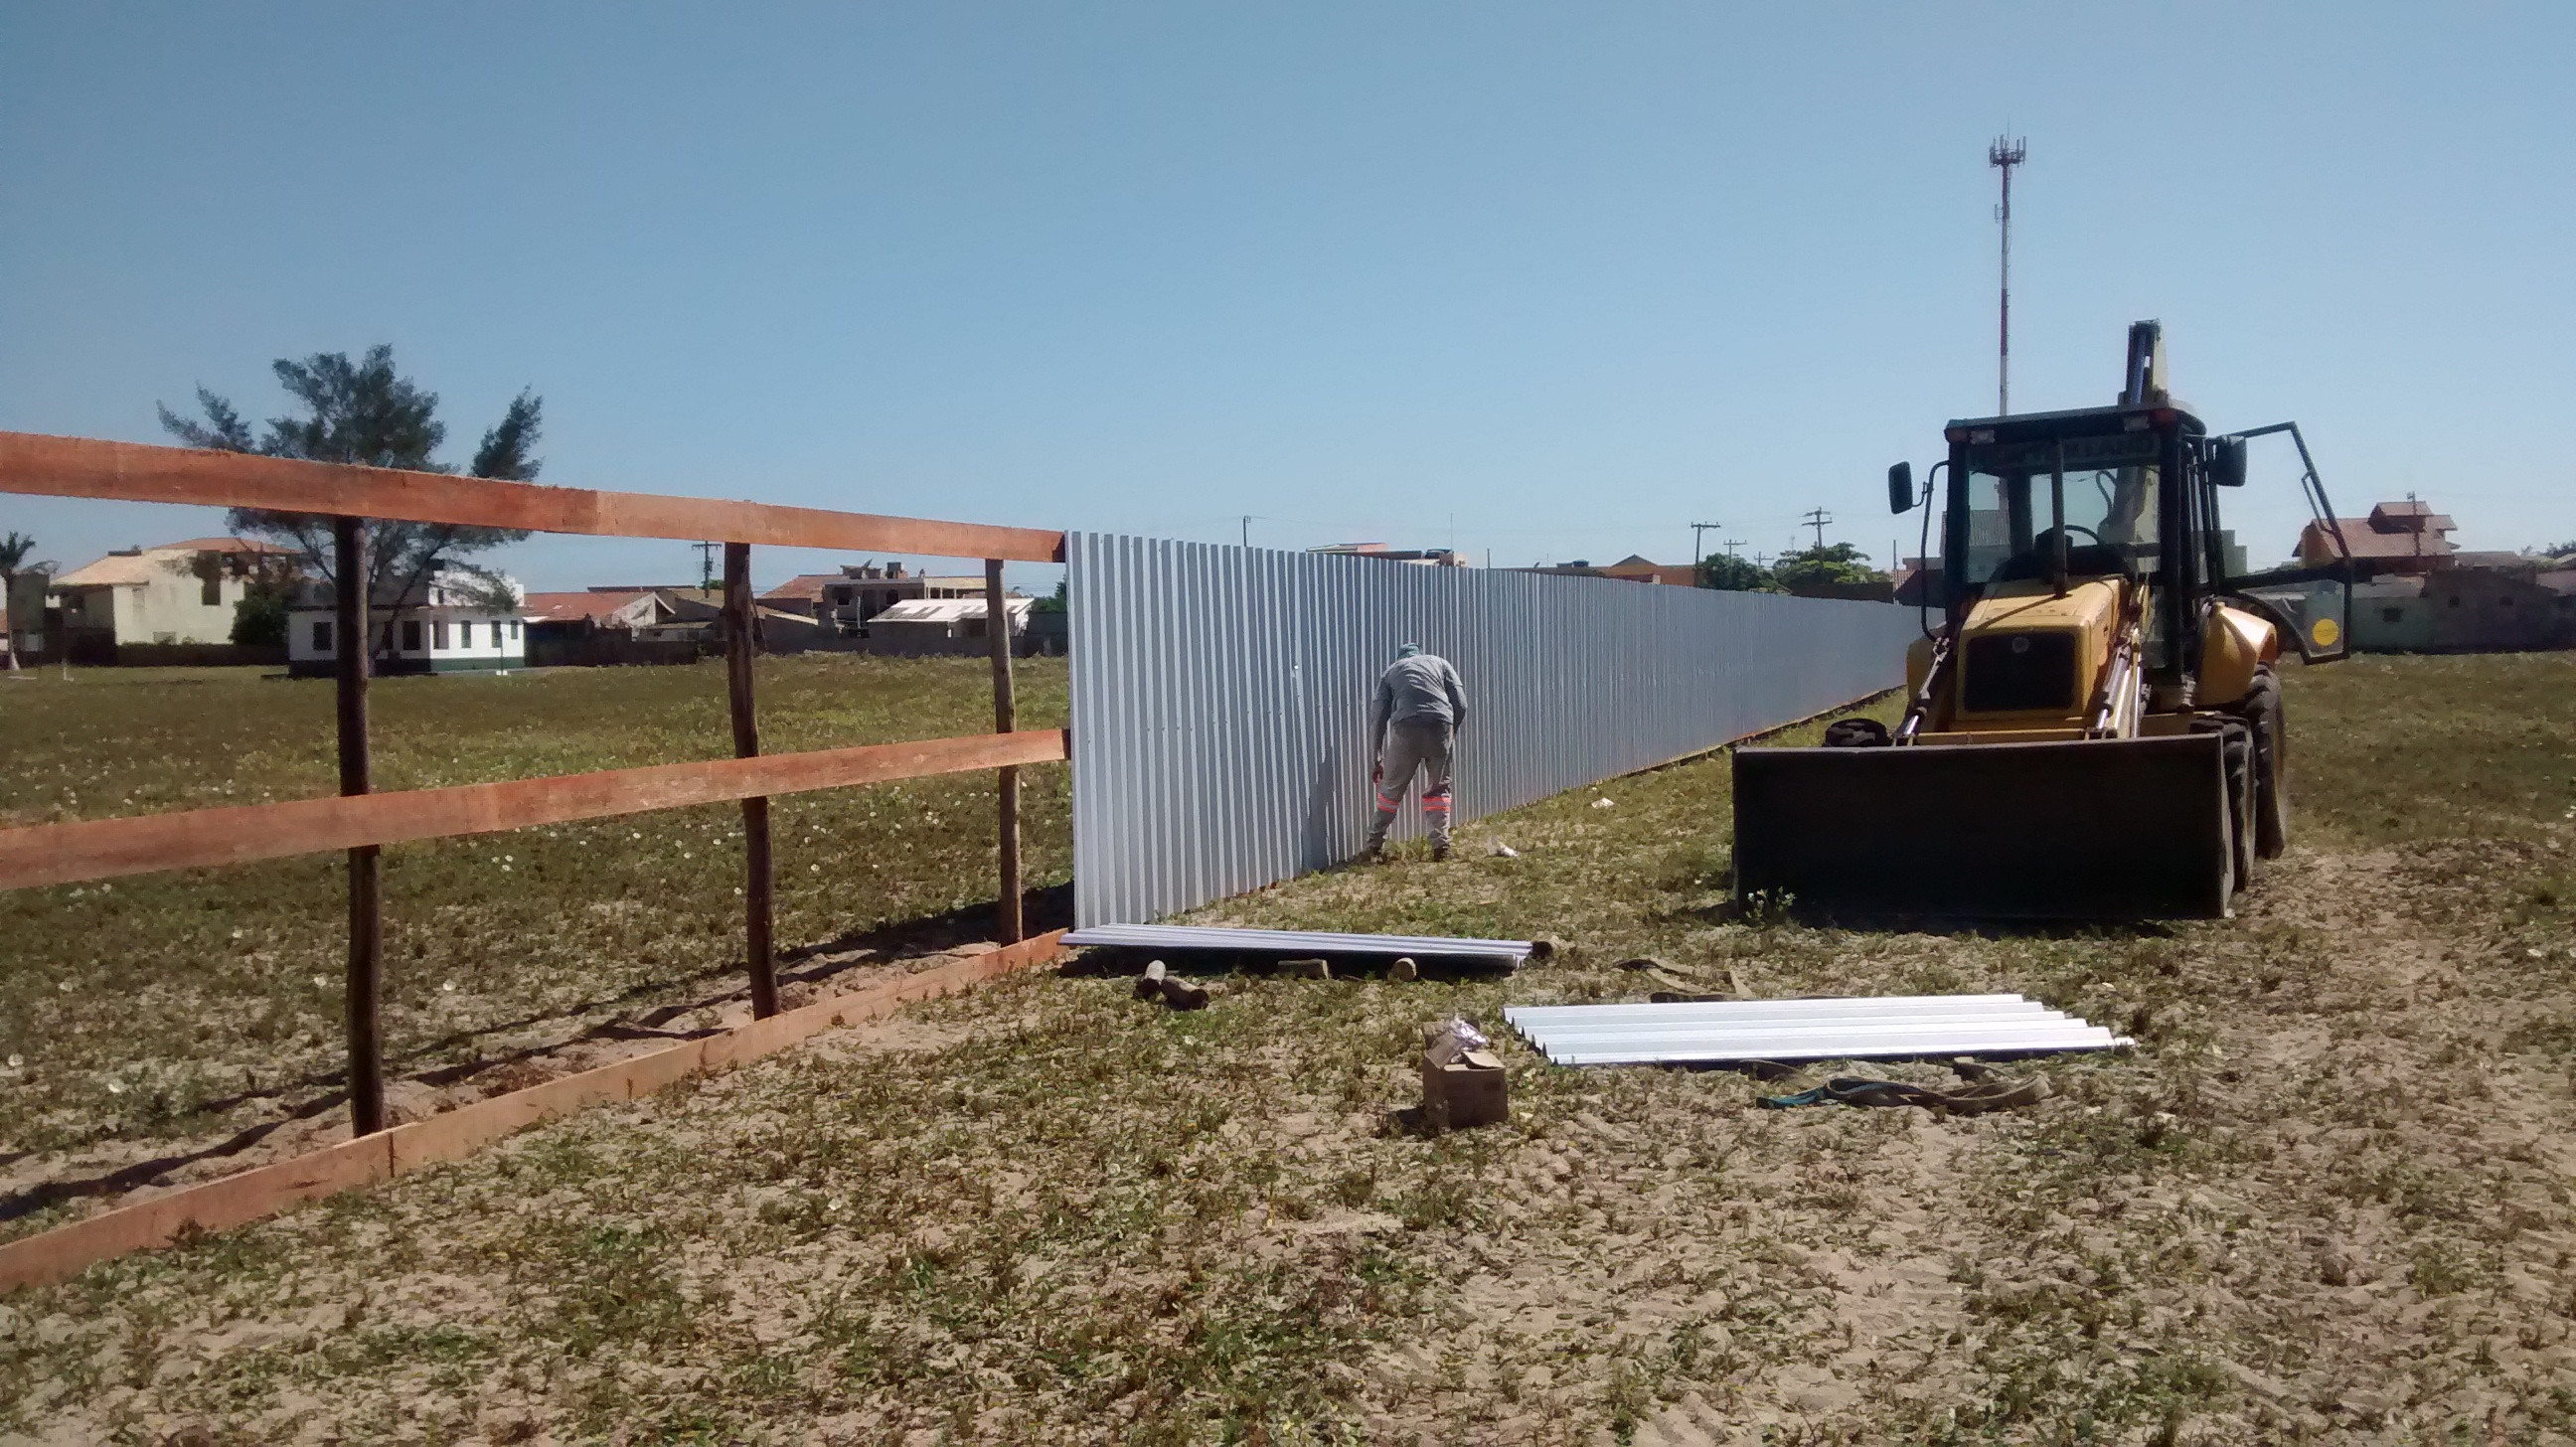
{"x": 1414, "y": 690}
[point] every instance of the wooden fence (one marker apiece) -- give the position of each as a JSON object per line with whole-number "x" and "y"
{"x": 362, "y": 822}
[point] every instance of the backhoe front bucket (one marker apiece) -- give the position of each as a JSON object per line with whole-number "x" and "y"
{"x": 2095, "y": 829}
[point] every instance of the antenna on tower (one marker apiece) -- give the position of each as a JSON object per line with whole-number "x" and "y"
{"x": 2003, "y": 155}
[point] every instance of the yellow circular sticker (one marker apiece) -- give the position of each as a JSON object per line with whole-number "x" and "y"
{"x": 2325, "y": 634}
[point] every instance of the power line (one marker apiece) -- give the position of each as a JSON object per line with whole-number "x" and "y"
{"x": 1696, "y": 529}
{"x": 1817, "y": 518}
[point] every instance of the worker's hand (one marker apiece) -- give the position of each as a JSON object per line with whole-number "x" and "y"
{"x": 1377, "y": 773}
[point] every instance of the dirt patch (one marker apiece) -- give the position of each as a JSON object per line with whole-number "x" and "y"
{"x": 2326, "y": 1198}
{"x": 39, "y": 1190}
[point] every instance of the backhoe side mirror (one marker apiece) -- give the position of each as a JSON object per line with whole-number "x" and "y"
{"x": 2227, "y": 462}
{"x": 1900, "y": 486}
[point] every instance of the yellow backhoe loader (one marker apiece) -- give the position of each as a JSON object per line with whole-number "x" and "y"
{"x": 2093, "y": 729}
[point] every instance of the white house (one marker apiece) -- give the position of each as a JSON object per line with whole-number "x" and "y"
{"x": 941, "y": 625}
{"x": 450, "y": 625}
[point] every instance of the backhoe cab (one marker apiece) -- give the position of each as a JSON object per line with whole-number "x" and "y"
{"x": 2093, "y": 729}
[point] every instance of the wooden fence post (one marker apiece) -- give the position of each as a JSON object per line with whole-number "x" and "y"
{"x": 352, "y": 623}
{"x": 742, "y": 622}
{"x": 1006, "y": 718}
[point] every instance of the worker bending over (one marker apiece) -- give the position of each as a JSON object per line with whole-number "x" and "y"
{"x": 1420, "y": 707}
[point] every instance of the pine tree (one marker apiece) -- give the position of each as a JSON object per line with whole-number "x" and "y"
{"x": 367, "y": 414}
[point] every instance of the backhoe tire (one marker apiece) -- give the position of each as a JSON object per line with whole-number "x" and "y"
{"x": 2241, "y": 803}
{"x": 2236, "y": 754}
{"x": 2261, "y": 711}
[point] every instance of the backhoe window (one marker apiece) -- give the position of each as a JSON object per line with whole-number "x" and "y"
{"x": 2110, "y": 517}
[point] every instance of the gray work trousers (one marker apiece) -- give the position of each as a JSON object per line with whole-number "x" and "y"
{"x": 1420, "y": 744}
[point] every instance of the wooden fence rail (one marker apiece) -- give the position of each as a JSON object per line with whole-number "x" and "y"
{"x": 361, "y": 821}
{"x": 135, "y": 472}
{"x": 77, "y": 851}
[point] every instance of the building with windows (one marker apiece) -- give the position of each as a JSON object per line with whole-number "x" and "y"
{"x": 177, "y": 593}
{"x": 943, "y": 625}
{"x": 846, "y": 602}
{"x": 2397, "y": 537}
{"x": 454, "y": 623}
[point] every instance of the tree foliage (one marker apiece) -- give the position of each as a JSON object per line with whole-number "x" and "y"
{"x": 259, "y": 619}
{"x": 1728, "y": 573}
{"x": 1831, "y": 563}
{"x": 366, "y": 414}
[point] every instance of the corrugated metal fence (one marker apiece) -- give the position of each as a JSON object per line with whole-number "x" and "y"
{"x": 1220, "y": 697}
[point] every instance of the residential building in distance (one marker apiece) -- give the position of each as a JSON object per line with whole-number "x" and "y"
{"x": 2417, "y": 591}
{"x": 1419, "y": 557}
{"x": 1634, "y": 568}
{"x": 448, "y": 624}
{"x": 176, "y": 593}
{"x": 22, "y": 613}
{"x": 846, "y": 602}
{"x": 942, "y": 625}
{"x": 2502, "y": 603}
{"x": 2397, "y": 537}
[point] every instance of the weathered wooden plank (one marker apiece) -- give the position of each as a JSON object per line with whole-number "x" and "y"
{"x": 742, "y": 642}
{"x": 66, "y": 1251}
{"x": 363, "y": 990}
{"x": 67, "y": 853}
{"x": 135, "y": 472}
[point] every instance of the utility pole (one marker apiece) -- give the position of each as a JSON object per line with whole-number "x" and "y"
{"x": 707, "y": 565}
{"x": 1698, "y": 557}
{"x": 1732, "y": 544}
{"x": 2003, "y": 155}
{"x": 1247, "y": 530}
{"x": 1817, "y": 518}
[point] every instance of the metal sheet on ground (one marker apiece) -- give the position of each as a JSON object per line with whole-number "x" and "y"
{"x": 1735, "y": 1031}
{"x": 1291, "y": 942}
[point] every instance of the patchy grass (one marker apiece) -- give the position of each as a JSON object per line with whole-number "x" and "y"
{"x": 2326, "y": 1199}
{"x": 153, "y": 1007}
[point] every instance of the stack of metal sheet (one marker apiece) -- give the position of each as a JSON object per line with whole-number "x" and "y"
{"x": 1186, "y": 938}
{"x": 1731, "y": 1031}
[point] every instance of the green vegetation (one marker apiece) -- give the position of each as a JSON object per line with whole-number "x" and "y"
{"x": 1815, "y": 570}
{"x": 1826, "y": 564}
{"x": 2322, "y": 1200}
{"x": 1728, "y": 573}
{"x": 133, "y": 1004}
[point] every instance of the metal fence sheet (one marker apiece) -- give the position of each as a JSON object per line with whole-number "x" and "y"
{"x": 1221, "y": 694}
{"x": 1728, "y": 1031}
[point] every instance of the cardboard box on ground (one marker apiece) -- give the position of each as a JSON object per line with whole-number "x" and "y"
{"x": 1462, "y": 1081}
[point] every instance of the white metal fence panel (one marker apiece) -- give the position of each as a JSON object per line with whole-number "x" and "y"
{"x": 1221, "y": 696}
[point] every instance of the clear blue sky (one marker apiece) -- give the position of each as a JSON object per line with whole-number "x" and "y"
{"x": 1553, "y": 281}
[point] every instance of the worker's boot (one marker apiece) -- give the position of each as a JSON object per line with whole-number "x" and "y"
{"x": 1439, "y": 850}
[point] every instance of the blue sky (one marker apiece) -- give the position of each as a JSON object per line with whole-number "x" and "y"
{"x": 1553, "y": 281}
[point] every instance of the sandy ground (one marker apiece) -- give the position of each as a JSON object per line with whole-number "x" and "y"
{"x": 2326, "y": 1198}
